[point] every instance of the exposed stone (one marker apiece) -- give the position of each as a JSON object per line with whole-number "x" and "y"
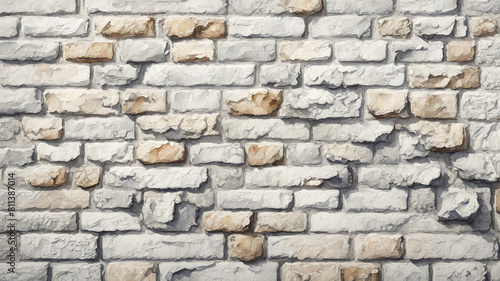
{"x": 312, "y": 271}
{"x": 154, "y": 152}
{"x": 404, "y": 174}
{"x": 121, "y": 271}
{"x": 266, "y": 26}
{"x": 459, "y": 271}
{"x": 304, "y": 154}
{"x": 26, "y": 271}
{"x": 361, "y": 271}
{"x": 434, "y": 105}
{"x": 378, "y": 246}
{"x": 340, "y": 26}
{"x": 237, "y": 129}
{"x": 116, "y": 221}
{"x": 336, "y": 75}
{"x": 335, "y": 175}
{"x": 48, "y": 176}
{"x": 193, "y": 51}
{"x": 490, "y": 77}
{"x": 227, "y": 221}
{"x": 443, "y": 76}
{"x": 461, "y": 51}
{"x": 9, "y": 127}
{"x": 228, "y": 153}
{"x": 439, "y": 137}
{"x": 482, "y": 27}
{"x": 314, "y": 103}
{"x": 40, "y": 75}
{"x": 29, "y": 51}
{"x": 397, "y": 27}
{"x": 163, "y": 247}
{"x": 211, "y": 270}
{"x": 245, "y": 247}
{"x": 136, "y": 101}
{"x": 410, "y": 146}
{"x": 156, "y": 178}
{"x": 348, "y": 152}
{"x": 40, "y": 221}
{"x": 305, "y": 51}
{"x": 76, "y": 271}
{"x": 405, "y": 271}
{"x": 58, "y": 246}
{"x": 488, "y": 52}
{"x": 369, "y": 131}
{"x": 254, "y": 102}
{"x": 450, "y": 246}
{"x": 88, "y": 176}
{"x": 280, "y": 75}
{"x": 461, "y": 28}
{"x": 311, "y": 246}
{"x": 422, "y": 199}
{"x": 201, "y": 200}
{"x": 458, "y": 204}
{"x": 261, "y": 154}
{"x": 376, "y": 200}
{"x": 478, "y": 166}
{"x": 111, "y": 199}
{"x": 88, "y": 52}
{"x": 63, "y": 152}
{"x": 125, "y": 27}
{"x": 196, "y": 101}
{"x": 417, "y": 50}
{"x": 16, "y": 156}
{"x": 158, "y": 208}
{"x": 317, "y": 199}
{"x": 94, "y": 128}
{"x": 115, "y": 75}
{"x": 480, "y": 105}
{"x": 78, "y": 101}
{"x": 191, "y": 126}
{"x": 254, "y": 199}
{"x": 244, "y": 50}
{"x": 52, "y": 26}
{"x": 428, "y": 27}
{"x": 226, "y": 177}
{"x": 383, "y": 103}
{"x": 360, "y": 51}
{"x": 147, "y": 50}
{"x": 281, "y": 222}
{"x": 52, "y": 199}
{"x": 117, "y": 152}
{"x": 188, "y": 27}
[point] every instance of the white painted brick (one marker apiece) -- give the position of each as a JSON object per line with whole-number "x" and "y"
{"x": 158, "y": 7}
{"x": 111, "y": 198}
{"x": 143, "y": 50}
{"x": 9, "y": 27}
{"x": 37, "y": 7}
{"x": 41, "y": 221}
{"x": 116, "y": 221}
{"x": 200, "y": 101}
{"x": 248, "y": 50}
{"x": 270, "y": 128}
{"x": 359, "y": 6}
{"x": 76, "y": 271}
{"x": 353, "y": 222}
{"x": 119, "y": 152}
{"x": 317, "y": 199}
{"x": 45, "y": 75}
{"x": 94, "y": 128}
{"x": 115, "y": 75}
{"x": 427, "y": 6}
{"x": 54, "y": 26}
{"x": 211, "y": 270}
{"x": 228, "y": 153}
{"x": 376, "y": 200}
{"x": 25, "y": 271}
{"x": 311, "y": 246}
{"x": 70, "y": 246}
{"x": 254, "y": 199}
{"x": 280, "y": 75}
{"x": 362, "y": 51}
{"x": 340, "y": 26}
{"x": 337, "y": 75}
{"x": 266, "y": 26}
{"x": 29, "y": 50}
{"x": 15, "y": 101}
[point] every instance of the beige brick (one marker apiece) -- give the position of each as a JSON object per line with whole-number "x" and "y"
{"x": 193, "y": 51}
{"x": 395, "y": 27}
{"x": 48, "y": 176}
{"x": 79, "y": 101}
{"x": 434, "y": 104}
{"x": 310, "y": 271}
{"x": 245, "y": 247}
{"x": 88, "y": 52}
{"x": 441, "y": 137}
{"x": 125, "y": 27}
{"x": 305, "y": 51}
{"x": 383, "y": 103}
{"x": 482, "y": 27}
{"x": 40, "y": 128}
{"x": 361, "y": 271}
{"x": 497, "y": 200}
{"x": 227, "y": 221}
{"x": 281, "y": 222}
{"x": 461, "y": 51}
{"x": 257, "y": 102}
{"x": 189, "y": 27}
{"x": 378, "y": 246}
{"x": 443, "y": 76}
{"x": 305, "y": 7}
{"x": 87, "y": 177}
{"x": 130, "y": 271}
{"x": 260, "y": 154}
{"x": 154, "y": 152}
{"x": 135, "y": 101}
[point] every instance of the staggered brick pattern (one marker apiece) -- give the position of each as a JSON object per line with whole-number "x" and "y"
{"x": 251, "y": 140}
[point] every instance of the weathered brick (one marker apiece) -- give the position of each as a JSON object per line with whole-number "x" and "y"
{"x": 353, "y": 222}
{"x": 479, "y": 105}
{"x": 227, "y": 221}
{"x": 249, "y": 7}
{"x": 376, "y": 200}
{"x": 474, "y": 7}
{"x": 353, "y": 132}
{"x": 461, "y": 51}
{"x": 405, "y": 271}
{"x": 245, "y": 247}
{"x": 36, "y": 7}
{"x": 119, "y": 152}
{"x": 18, "y": 101}
{"x": 29, "y": 51}
{"x": 173, "y": 7}
{"x": 417, "y": 50}
{"x": 24, "y": 271}
{"x": 212, "y": 270}
{"x": 125, "y": 27}
{"x": 317, "y": 199}
{"x": 310, "y": 270}
{"x": 489, "y": 78}
{"x": 255, "y": 50}
{"x": 308, "y": 247}
{"x": 228, "y": 153}
{"x": 150, "y": 50}
{"x": 427, "y": 6}
{"x": 197, "y": 101}
{"x": 266, "y": 26}
{"x": 488, "y": 51}
{"x": 115, "y": 75}
{"x": 252, "y": 102}
{"x": 378, "y": 246}
{"x": 190, "y": 126}
{"x": 116, "y": 221}
{"x": 254, "y": 199}
{"x": 459, "y": 270}
{"x": 190, "y": 27}
{"x": 45, "y": 75}
{"x": 434, "y": 105}
{"x": 54, "y": 26}
{"x": 117, "y": 271}
{"x": 95, "y": 128}
{"x": 193, "y": 51}
{"x": 69, "y": 246}
{"x": 137, "y": 101}
{"x": 360, "y": 51}
{"x": 16, "y": 156}
{"x": 305, "y": 50}
{"x": 281, "y": 222}
{"x": 397, "y": 27}
{"x": 64, "y": 152}
{"x": 340, "y": 26}
{"x": 154, "y": 152}
{"x": 88, "y": 52}
{"x": 441, "y": 137}
{"x": 359, "y": 6}
{"x": 443, "y": 76}
{"x": 257, "y": 128}
{"x": 337, "y": 75}
{"x": 78, "y": 101}
{"x": 52, "y": 199}
{"x": 383, "y": 103}
{"x": 112, "y": 199}
{"x": 361, "y": 271}
{"x": 482, "y": 27}
{"x": 429, "y": 27}
{"x": 41, "y": 221}
{"x": 76, "y": 271}
{"x": 9, "y": 27}
{"x": 260, "y": 154}
{"x": 280, "y": 75}
{"x": 48, "y": 176}
{"x": 403, "y": 174}
{"x": 88, "y": 176}
{"x": 303, "y": 154}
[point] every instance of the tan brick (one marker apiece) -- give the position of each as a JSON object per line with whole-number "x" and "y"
{"x": 398, "y": 27}
{"x": 383, "y": 103}
{"x": 378, "y": 246}
{"x": 88, "y": 52}
{"x": 154, "y": 152}
{"x": 48, "y": 176}
{"x": 193, "y": 51}
{"x": 434, "y": 104}
{"x": 136, "y": 101}
{"x": 482, "y": 27}
{"x": 436, "y": 136}
{"x": 310, "y": 271}
{"x": 443, "y": 76}
{"x": 227, "y": 221}
{"x": 87, "y": 177}
{"x": 281, "y": 222}
{"x": 82, "y": 101}
{"x": 40, "y": 128}
{"x": 305, "y": 7}
{"x": 125, "y": 27}
{"x": 130, "y": 271}
{"x": 189, "y": 27}
{"x": 361, "y": 272}
{"x": 258, "y": 102}
{"x": 245, "y": 247}
{"x": 497, "y": 192}
{"x": 260, "y": 154}
{"x": 461, "y": 51}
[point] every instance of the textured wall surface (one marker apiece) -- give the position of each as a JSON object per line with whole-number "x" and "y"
{"x": 249, "y": 140}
